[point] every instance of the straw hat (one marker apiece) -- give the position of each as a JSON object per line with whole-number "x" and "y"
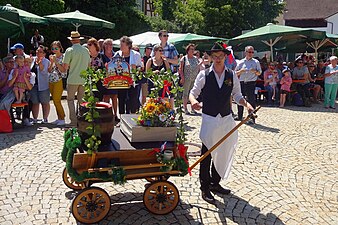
{"x": 74, "y": 35}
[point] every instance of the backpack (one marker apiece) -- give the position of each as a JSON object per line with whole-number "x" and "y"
{"x": 297, "y": 100}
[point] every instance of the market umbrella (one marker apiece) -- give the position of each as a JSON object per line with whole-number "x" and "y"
{"x": 274, "y": 36}
{"x": 27, "y": 17}
{"x": 203, "y": 42}
{"x": 78, "y": 19}
{"x": 147, "y": 37}
{"x": 10, "y": 23}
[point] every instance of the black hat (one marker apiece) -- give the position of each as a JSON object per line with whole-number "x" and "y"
{"x": 219, "y": 46}
{"x": 149, "y": 45}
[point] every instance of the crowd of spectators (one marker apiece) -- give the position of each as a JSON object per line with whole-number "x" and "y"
{"x": 34, "y": 79}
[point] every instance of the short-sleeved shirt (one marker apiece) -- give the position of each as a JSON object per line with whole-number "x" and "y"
{"x": 5, "y": 88}
{"x": 246, "y": 64}
{"x": 298, "y": 73}
{"x": 333, "y": 79}
{"x": 78, "y": 59}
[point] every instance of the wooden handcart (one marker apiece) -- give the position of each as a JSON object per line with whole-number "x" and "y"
{"x": 92, "y": 204}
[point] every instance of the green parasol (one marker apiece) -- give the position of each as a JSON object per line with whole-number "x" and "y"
{"x": 10, "y": 23}
{"x": 27, "y": 17}
{"x": 203, "y": 42}
{"x": 78, "y": 19}
{"x": 275, "y": 36}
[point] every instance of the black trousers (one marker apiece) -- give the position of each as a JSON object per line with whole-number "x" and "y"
{"x": 205, "y": 178}
{"x": 248, "y": 91}
{"x": 133, "y": 102}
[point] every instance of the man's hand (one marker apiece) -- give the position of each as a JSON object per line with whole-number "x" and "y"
{"x": 196, "y": 105}
{"x": 249, "y": 107}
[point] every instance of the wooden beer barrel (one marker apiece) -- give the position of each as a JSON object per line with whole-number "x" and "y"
{"x": 105, "y": 121}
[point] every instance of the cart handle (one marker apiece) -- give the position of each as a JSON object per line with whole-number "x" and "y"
{"x": 251, "y": 115}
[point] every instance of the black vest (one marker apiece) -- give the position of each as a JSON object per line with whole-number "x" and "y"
{"x": 217, "y": 100}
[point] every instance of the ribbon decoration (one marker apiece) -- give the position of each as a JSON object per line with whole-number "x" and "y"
{"x": 154, "y": 151}
{"x": 166, "y": 85}
{"x": 231, "y": 56}
{"x": 182, "y": 150}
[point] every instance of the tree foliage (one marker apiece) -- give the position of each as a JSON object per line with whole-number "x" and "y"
{"x": 226, "y": 18}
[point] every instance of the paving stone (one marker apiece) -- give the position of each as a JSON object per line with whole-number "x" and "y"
{"x": 284, "y": 172}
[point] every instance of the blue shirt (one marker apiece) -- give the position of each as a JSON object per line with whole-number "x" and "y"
{"x": 248, "y": 65}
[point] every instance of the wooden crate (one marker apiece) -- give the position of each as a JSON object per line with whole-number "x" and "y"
{"x": 136, "y": 133}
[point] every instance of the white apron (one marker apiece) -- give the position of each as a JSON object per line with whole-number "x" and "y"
{"x": 212, "y": 130}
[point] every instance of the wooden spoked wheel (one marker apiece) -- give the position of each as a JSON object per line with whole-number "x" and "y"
{"x": 70, "y": 182}
{"x": 160, "y": 178}
{"x": 91, "y": 205}
{"x": 161, "y": 197}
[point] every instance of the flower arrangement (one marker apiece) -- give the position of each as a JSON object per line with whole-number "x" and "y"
{"x": 156, "y": 112}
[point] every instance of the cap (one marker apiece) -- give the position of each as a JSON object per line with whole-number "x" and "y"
{"x": 17, "y": 46}
{"x": 149, "y": 45}
{"x": 286, "y": 70}
{"x": 333, "y": 58}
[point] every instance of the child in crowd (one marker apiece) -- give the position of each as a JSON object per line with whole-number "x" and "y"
{"x": 22, "y": 70}
{"x": 273, "y": 79}
{"x": 285, "y": 82}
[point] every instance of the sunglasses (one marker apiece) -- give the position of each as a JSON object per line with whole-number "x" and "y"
{"x": 165, "y": 35}
{"x": 217, "y": 56}
{"x": 300, "y": 62}
{"x": 251, "y": 52}
{"x": 55, "y": 49}
{"x": 160, "y": 50}
{"x": 89, "y": 44}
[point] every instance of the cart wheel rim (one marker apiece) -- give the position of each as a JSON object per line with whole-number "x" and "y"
{"x": 69, "y": 182}
{"x": 153, "y": 179}
{"x": 91, "y": 205}
{"x": 161, "y": 197}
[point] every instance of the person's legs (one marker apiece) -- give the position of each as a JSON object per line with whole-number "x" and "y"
{"x": 56, "y": 90}
{"x": 239, "y": 107}
{"x": 270, "y": 94}
{"x": 71, "y": 90}
{"x": 44, "y": 99}
{"x": 133, "y": 100}
{"x": 316, "y": 92}
{"x": 114, "y": 103}
{"x": 35, "y": 111}
{"x": 16, "y": 92}
{"x": 205, "y": 170}
{"x": 328, "y": 89}
{"x": 282, "y": 100}
{"x": 122, "y": 95}
{"x": 333, "y": 94}
{"x": 80, "y": 94}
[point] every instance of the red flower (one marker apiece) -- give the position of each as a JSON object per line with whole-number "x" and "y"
{"x": 224, "y": 45}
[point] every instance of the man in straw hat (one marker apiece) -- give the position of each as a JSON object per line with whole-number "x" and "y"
{"x": 217, "y": 84}
{"x": 76, "y": 59}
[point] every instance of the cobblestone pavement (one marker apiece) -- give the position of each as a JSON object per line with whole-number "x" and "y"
{"x": 285, "y": 172}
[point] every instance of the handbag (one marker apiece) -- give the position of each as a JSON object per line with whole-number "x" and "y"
{"x": 5, "y": 125}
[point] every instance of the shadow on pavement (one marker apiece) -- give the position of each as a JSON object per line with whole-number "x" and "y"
{"x": 21, "y": 134}
{"x": 264, "y": 128}
{"x": 240, "y": 212}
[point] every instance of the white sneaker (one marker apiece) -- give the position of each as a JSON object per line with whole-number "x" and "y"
{"x": 44, "y": 121}
{"x": 61, "y": 123}
{"x": 26, "y": 122}
{"x": 55, "y": 122}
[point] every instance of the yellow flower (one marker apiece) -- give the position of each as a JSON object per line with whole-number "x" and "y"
{"x": 150, "y": 107}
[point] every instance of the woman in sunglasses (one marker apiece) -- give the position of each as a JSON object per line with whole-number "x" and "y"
{"x": 55, "y": 80}
{"x": 156, "y": 64}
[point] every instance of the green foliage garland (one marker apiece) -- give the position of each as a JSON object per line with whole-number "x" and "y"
{"x": 91, "y": 77}
{"x": 117, "y": 174}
